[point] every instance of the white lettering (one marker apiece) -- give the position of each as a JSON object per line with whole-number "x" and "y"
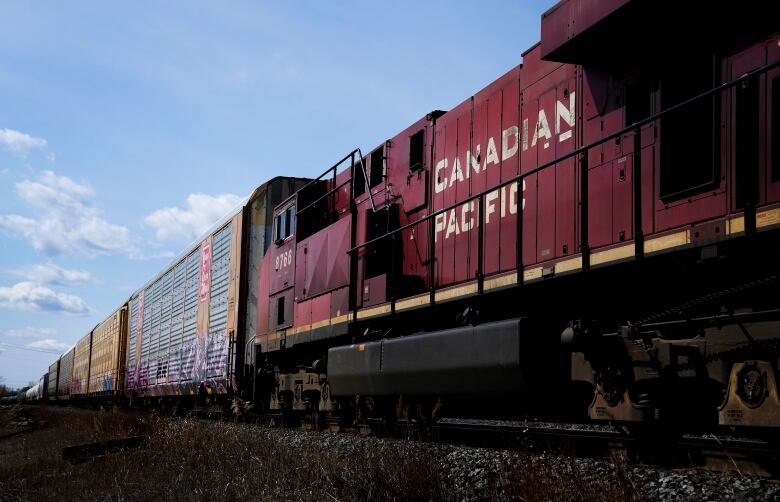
{"x": 465, "y": 226}
{"x": 490, "y": 207}
{"x": 440, "y": 183}
{"x": 472, "y": 163}
{"x": 506, "y": 150}
{"x": 492, "y": 153}
{"x": 452, "y": 224}
{"x": 542, "y": 130}
{"x": 439, "y": 225}
{"x": 525, "y": 134}
{"x": 567, "y": 114}
{"x": 523, "y": 192}
{"x": 457, "y": 173}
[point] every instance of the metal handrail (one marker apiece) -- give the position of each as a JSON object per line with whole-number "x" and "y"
{"x": 336, "y": 188}
{"x": 318, "y": 178}
{"x": 636, "y": 126}
{"x": 328, "y": 194}
{"x": 365, "y": 180}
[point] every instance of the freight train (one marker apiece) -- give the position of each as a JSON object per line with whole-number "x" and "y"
{"x": 593, "y": 236}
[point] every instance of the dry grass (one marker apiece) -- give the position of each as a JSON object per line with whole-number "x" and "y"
{"x": 184, "y": 459}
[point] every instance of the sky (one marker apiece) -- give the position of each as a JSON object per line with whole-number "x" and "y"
{"x": 128, "y": 128}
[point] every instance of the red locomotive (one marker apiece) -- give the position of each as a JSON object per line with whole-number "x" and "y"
{"x": 640, "y": 283}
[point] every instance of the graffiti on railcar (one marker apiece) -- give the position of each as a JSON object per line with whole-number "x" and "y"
{"x": 203, "y": 359}
{"x": 106, "y": 382}
{"x": 75, "y": 386}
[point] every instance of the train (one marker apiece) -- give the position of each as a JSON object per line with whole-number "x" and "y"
{"x": 593, "y": 236}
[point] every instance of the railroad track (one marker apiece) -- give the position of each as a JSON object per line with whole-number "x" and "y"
{"x": 719, "y": 451}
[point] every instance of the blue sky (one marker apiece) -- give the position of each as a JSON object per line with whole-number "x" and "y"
{"x": 127, "y": 129}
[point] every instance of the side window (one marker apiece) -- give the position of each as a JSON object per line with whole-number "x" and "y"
{"x": 639, "y": 95}
{"x": 284, "y": 224}
{"x": 416, "y": 150}
{"x": 689, "y": 160}
{"x": 377, "y": 166}
{"x": 358, "y": 180}
{"x": 290, "y": 220}
{"x": 279, "y": 233}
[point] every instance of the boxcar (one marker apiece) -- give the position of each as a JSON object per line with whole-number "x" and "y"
{"x": 51, "y": 391}
{"x": 79, "y": 386}
{"x": 65, "y": 375}
{"x": 107, "y": 358}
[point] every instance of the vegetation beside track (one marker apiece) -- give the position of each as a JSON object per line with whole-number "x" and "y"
{"x": 188, "y": 459}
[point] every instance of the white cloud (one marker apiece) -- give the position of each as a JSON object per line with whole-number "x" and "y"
{"x": 49, "y": 273}
{"x": 37, "y": 298}
{"x": 48, "y": 344}
{"x": 28, "y": 332}
{"x": 21, "y": 144}
{"x": 66, "y": 221}
{"x": 201, "y": 213}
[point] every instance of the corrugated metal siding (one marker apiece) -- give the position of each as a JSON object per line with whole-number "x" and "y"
{"x": 65, "y": 374}
{"x": 53, "y": 376}
{"x": 259, "y": 234}
{"x": 178, "y": 291}
{"x": 108, "y": 342}
{"x": 79, "y": 384}
{"x": 177, "y": 305}
{"x": 190, "y": 320}
{"x": 164, "y": 339}
{"x": 220, "y": 278}
{"x": 132, "y": 334}
{"x": 151, "y": 332}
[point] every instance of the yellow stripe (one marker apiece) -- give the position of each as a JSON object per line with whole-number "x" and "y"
{"x": 375, "y": 311}
{"x": 768, "y": 217}
{"x": 501, "y": 281}
{"x": 735, "y": 225}
{"x": 415, "y": 301}
{"x": 325, "y": 322}
{"x": 448, "y": 294}
{"x": 668, "y": 241}
{"x": 341, "y": 318}
{"x": 532, "y": 274}
{"x": 319, "y": 324}
{"x": 302, "y": 328}
{"x": 568, "y": 265}
{"x": 613, "y": 254}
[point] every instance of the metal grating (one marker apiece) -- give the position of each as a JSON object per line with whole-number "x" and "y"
{"x": 52, "y": 384}
{"x": 163, "y": 341}
{"x": 131, "y": 336}
{"x": 66, "y": 373}
{"x": 177, "y": 305}
{"x": 220, "y": 281}
{"x": 190, "y": 315}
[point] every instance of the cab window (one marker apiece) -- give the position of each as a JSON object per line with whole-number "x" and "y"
{"x": 284, "y": 224}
